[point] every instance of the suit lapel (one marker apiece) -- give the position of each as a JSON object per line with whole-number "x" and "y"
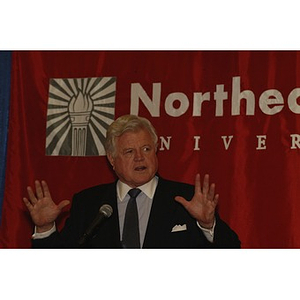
{"x": 109, "y": 233}
{"x": 160, "y": 216}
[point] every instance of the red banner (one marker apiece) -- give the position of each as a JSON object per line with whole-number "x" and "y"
{"x": 232, "y": 114}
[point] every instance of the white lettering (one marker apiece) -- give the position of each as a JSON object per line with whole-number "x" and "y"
{"x": 292, "y": 101}
{"x": 261, "y": 142}
{"x": 153, "y": 105}
{"x": 271, "y": 98}
{"x": 183, "y": 104}
{"x": 237, "y": 96}
{"x": 176, "y": 104}
{"x": 226, "y": 143}
{"x": 220, "y": 96}
{"x": 295, "y": 141}
{"x": 199, "y": 98}
{"x": 165, "y": 144}
{"x": 197, "y": 139}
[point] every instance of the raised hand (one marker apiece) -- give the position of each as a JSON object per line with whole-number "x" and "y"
{"x": 41, "y": 207}
{"x": 203, "y": 204}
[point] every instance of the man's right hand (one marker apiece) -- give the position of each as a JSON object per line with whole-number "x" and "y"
{"x": 41, "y": 207}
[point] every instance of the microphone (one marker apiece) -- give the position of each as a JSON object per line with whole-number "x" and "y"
{"x": 105, "y": 211}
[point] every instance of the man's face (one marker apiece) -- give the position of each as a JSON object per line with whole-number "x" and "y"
{"x": 135, "y": 162}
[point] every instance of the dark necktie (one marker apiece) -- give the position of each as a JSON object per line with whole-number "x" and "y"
{"x": 131, "y": 232}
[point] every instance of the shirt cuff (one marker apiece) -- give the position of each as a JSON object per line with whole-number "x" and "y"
{"x": 42, "y": 235}
{"x": 209, "y": 233}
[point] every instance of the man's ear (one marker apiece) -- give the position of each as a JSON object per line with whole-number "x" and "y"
{"x": 111, "y": 160}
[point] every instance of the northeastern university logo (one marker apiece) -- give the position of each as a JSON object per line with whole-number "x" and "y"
{"x": 79, "y": 113}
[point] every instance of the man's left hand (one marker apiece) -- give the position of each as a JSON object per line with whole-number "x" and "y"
{"x": 203, "y": 204}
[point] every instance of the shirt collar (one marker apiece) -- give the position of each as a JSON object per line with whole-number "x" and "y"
{"x": 147, "y": 188}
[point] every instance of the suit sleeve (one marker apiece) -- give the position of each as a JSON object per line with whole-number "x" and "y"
{"x": 224, "y": 236}
{"x": 67, "y": 238}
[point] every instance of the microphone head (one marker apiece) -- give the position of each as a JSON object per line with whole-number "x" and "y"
{"x": 106, "y": 210}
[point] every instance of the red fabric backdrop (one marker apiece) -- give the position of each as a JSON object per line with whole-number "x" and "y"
{"x": 256, "y": 177}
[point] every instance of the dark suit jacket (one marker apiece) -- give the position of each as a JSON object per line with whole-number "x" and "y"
{"x": 165, "y": 214}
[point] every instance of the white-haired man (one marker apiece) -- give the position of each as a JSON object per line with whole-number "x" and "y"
{"x": 169, "y": 214}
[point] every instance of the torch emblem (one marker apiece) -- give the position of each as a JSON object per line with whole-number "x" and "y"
{"x": 79, "y": 112}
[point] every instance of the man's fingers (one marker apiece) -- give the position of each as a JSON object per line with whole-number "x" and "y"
{"x": 46, "y": 189}
{"x": 205, "y": 188}
{"x": 39, "y": 190}
{"x": 197, "y": 184}
{"x": 31, "y": 195}
{"x": 63, "y": 203}
{"x": 28, "y": 204}
{"x": 216, "y": 199}
{"x": 211, "y": 192}
{"x": 181, "y": 200}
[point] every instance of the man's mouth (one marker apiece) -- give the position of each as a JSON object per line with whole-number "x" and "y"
{"x": 140, "y": 168}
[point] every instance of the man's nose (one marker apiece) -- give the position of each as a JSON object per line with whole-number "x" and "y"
{"x": 139, "y": 155}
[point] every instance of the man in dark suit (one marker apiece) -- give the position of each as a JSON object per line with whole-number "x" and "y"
{"x": 167, "y": 214}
